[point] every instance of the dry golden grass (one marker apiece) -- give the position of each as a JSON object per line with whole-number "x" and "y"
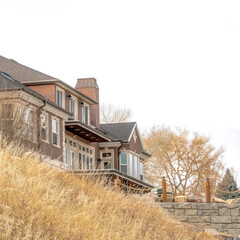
{"x": 38, "y": 202}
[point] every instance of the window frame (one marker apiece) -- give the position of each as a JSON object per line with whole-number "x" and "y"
{"x": 107, "y": 159}
{"x": 125, "y": 164}
{"x": 73, "y": 101}
{"x": 46, "y": 127}
{"x": 62, "y": 91}
{"x": 85, "y": 117}
{"x": 57, "y": 131}
{"x": 87, "y": 159}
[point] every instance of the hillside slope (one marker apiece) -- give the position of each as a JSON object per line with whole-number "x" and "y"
{"x": 38, "y": 202}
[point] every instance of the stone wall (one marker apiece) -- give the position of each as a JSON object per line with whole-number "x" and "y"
{"x": 219, "y": 216}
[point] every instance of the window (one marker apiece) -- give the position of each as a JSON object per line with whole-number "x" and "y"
{"x": 7, "y": 112}
{"x": 123, "y": 162}
{"x": 131, "y": 164}
{"x": 55, "y": 131}
{"x": 72, "y": 159}
{"x": 26, "y": 126}
{"x": 85, "y": 161}
{"x": 43, "y": 118}
{"x": 107, "y": 159}
{"x": 107, "y": 165}
{"x": 107, "y": 154}
{"x": 59, "y": 98}
{"x": 84, "y": 113}
{"x": 72, "y": 107}
{"x": 136, "y": 167}
{"x": 141, "y": 171}
{"x": 7, "y": 116}
{"x": 66, "y": 154}
{"x": 83, "y": 155}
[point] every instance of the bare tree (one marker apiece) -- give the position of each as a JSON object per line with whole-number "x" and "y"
{"x": 185, "y": 161}
{"x": 112, "y": 114}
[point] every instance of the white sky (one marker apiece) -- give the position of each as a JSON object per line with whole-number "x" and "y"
{"x": 172, "y": 62}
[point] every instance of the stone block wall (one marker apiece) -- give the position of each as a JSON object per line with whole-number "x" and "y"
{"x": 222, "y": 217}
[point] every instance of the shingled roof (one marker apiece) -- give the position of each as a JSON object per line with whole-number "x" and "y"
{"x": 7, "y": 83}
{"x": 119, "y": 131}
{"x": 22, "y": 73}
{"x": 29, "y": 76}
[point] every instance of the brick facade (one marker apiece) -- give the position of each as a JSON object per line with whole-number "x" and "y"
{"x": 47, "y": 91}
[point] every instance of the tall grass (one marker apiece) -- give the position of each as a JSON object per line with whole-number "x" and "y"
{"x": 39, "y": 202}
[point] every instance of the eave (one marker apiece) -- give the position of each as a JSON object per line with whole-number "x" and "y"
{"x": 86, "y": 132}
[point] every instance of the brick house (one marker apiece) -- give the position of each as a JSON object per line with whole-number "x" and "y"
{"x": 63, "y": 123}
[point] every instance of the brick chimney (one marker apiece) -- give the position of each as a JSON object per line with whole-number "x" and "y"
{"x": 89, "y": 87}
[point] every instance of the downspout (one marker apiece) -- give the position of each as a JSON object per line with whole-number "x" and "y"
{"x": 119, "y": 154}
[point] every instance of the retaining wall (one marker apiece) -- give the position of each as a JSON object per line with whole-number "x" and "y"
{"x": 219, "y": 216}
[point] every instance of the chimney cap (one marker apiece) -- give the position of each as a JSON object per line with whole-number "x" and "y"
{"x": 86, "y": 83}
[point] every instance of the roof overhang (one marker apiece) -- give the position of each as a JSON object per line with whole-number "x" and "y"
{"x": 144, "y": 155}
{"x": 86, "y": 132}
{"x": 117, "y": 174}
{"x": 62, "y": 85}
{"x": 110, "y": 144}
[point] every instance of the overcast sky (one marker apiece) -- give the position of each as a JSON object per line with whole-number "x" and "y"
{"x": 171, "y": 62}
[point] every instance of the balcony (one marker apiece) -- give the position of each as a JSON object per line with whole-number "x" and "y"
{"x": 86, "y": 132}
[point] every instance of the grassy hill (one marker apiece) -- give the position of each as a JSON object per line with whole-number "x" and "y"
{"x": 39, "y": 202}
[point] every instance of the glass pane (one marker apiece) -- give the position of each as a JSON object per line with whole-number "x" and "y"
{"x": 91, "y": 163}
{"x": 55, "y": 139}
{"x": 59, "y": 98}
{"x": 43, "y": 120}
{"x": 87, "y": 162}
{"x": 83, "y": 114}
{"x": 43, "y": 134}
{"x": 54, "y": 126}
{"x": 80, "y": 160}
{"x": 141, "y": 168}
{"x": 123, "y": 158}
{"x": 107, "y": 165}
{"x": 84, "y": 162}
{"x": 90, "y": 151}
{"x": 86, "y": 115}
{"x": 109, "y": 154}
{"x": 66, "y": 156}
{"x": 131, "y": 164}
{"x": 136, "y": 167}
{"x": 123, "y": 169}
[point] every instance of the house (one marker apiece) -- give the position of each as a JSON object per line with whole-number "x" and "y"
{"x": 63, "y": 123}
